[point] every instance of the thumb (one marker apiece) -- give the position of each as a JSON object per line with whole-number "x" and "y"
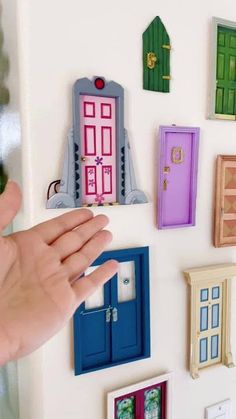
{"x": 10, "y": 202}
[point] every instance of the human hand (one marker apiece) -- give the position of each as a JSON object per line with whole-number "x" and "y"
{"x": 39, "y": 271}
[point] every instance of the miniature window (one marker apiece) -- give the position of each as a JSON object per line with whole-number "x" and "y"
{"x": 215, "y": 293}
{"x": 125, "y": 408}
{"x": 214, "y": 346}
{"x": 204, "y": 294}
{"x": 204, "y": 319}
{"x": 203, "y": 350}
{"x": 126, "y": 282}
{"x": 215, "y": 316}
{"x": 152, "y": 403}
{"x": 96, "y": 300}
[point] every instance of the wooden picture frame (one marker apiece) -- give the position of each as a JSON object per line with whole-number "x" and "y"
{"x": 210, "y": 316}
{"x": 112, "y": 327}
{"x": 143, "y": 400}
{"x": 225, "y": 202}
{"x": 223, "y": 67}
{"x": 177, "y": 176}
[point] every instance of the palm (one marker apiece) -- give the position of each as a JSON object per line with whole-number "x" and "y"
{"x": 39, "y": 268}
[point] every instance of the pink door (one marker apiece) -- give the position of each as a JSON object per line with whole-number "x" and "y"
{"x": 98, "y": 149}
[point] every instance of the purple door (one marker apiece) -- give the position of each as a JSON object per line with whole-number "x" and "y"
{"x": 177, "y": 176}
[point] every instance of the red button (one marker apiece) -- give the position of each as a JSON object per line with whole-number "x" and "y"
{"x": 99, "y": 83}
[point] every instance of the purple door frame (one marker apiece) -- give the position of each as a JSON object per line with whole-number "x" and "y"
{"x": 176, "y": 210}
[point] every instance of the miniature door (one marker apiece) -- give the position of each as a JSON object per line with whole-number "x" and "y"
{"x": 98, "y": 149}
{"x": 156, "y": 57}
{"x": 112, "y": 326}
{"x": 98, "y": 167}
{"x": 99, "y": 135}
{"x": 223, "y": 103}
{"x": 225, "y": 205}
{"x": 177, "y": 173}
{"x": 150, "y": 399}
{"x": 210, "y": 316}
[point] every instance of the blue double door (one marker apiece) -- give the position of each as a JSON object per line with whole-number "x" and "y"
{"x": 110, "y": 328}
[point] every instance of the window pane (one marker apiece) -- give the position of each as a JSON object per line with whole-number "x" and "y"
{"x": 152, "y": 403}
{"x": 126, "y": 281}
{"x": 96, "y": 300}
{"x": 204, "y": 294}
{"x": 215, "y": 293}
{"x": 203, "y": 350}
{"x": 214, "y": 346}
{"x": 215, "y": 316}
{"x": 203, "y": 318}
{"x": 125, "y": 408}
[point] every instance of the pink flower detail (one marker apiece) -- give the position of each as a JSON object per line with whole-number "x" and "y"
{"x": 99, "y": 198}
{"x": 107, "y": 170}
{"x": 91, "y": 182}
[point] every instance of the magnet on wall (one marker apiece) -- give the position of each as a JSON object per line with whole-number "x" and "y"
{"x": 156, "y": 57}
{"x": 98, "y": 168}
{"x": 177, "y": 176}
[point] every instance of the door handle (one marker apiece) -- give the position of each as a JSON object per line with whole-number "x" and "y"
{"x": 165, "y": 184}
{"x": 83, "y": 158}
{"x": 108, "y": 315}
{"x": 151, "y": 60}
{"x": 166, "y": 169}
{"x": 99, "y": 310}
{"x": 115, "y": 315}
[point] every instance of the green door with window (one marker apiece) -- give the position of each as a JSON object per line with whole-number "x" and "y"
{"x": 226, "y": 72}
{"x": 156, "y": 57}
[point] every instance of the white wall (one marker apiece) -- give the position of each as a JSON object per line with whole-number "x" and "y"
{"x": 60, "y": 41}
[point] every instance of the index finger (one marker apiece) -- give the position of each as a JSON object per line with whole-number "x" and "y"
{"x": 52, "y": 229}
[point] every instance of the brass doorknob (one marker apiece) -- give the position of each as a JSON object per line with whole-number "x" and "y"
{"x": 151, "y": 60}
{"x": 83, "y": 158}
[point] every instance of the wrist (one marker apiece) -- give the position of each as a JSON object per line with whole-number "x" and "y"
{"x": 5, "y": 348}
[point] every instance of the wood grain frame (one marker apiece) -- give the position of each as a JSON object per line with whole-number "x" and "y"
{"x": 219, "y": 215}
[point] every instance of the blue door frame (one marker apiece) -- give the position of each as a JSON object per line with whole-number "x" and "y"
{"x": 102, "y": 340}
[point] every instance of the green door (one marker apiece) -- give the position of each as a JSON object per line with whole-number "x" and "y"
{"x": 226, "y": 72}
{"x": 156, "y": 57}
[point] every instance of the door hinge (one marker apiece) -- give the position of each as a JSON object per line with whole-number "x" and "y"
{"x": 166, "y": 46}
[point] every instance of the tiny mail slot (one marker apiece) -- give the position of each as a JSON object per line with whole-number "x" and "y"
{"x": 177, "y": 186}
